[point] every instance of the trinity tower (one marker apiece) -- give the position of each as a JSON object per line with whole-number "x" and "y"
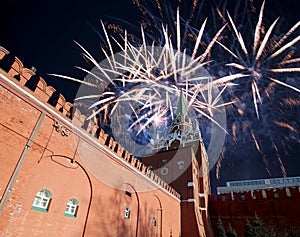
{"x": 181, "y": 161}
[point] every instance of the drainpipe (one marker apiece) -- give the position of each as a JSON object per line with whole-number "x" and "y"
{"x": 19, "y": 165}
{"x": 161, "y": 222}
{"x": 138, "y": 209}
{"x": 161, "y": 215}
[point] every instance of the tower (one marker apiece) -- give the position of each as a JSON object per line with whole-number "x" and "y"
{"x": 181, "y": 161}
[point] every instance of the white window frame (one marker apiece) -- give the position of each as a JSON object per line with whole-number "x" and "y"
{"x": 42, "y": 200}
{"x": 180, "y": 165}
{"x": 127, "y": 213}
{"x": 154, "y": 222}
{"x": 191, "y": 184}
{"x": 71, "y": 207}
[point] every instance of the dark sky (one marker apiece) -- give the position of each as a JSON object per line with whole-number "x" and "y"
{"x": 41, "y": 34}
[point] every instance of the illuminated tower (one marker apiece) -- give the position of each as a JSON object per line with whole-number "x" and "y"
{"x": 181, "y": 161}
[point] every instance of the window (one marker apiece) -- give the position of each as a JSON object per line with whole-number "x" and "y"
{"x": 164, "y": 161}
{"x": 154, "y": 221}
{"x": 288, "y": 193}
{"x": 42, "y": 200}
{"x": 127, "y": 213}
{"x": 150, "y": 167}
{"x": 164, "y": 171}
{"x": 191, "y": 184}
{"x": 180, "y": 165}
{"x": 71, "y": 208}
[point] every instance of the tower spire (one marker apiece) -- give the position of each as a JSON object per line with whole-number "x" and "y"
{"x": 181, "y": 107}
{"x": 182, "y": 129}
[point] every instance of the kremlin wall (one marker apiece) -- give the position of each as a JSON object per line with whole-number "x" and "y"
{"x": 47, "y": 188}
{"x": 38, "y": 152}
{"x": 277, "y": 208}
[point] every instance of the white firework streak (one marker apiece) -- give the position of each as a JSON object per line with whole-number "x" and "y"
{"x": 256, "y": 63}
{"x": 138, "y": 67}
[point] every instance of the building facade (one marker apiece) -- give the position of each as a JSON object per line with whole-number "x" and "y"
{"x": 258, "y": 184}
{"x": 181, "y": 161}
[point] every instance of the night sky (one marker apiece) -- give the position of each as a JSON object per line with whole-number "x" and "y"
{"x": 41, "y": 34}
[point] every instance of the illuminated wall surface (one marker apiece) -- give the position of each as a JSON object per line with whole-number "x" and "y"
{"x": 45, "y": 187}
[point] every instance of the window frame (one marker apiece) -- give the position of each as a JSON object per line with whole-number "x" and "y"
{"x": 42, "y": 200}
{"x": 180, "y": 165}
{"x": 154, "y": 221}
{"x": 164, "y": 171}
{"x": 73, "y": 205}
{"x": 127, "y": 213}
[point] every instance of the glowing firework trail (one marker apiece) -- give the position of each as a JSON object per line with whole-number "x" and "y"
{"x": 285, "y": 125}
{"x": 255, "y": 62}
{"x": 291, "y": 102}
{"x": 152, "y": 69}
{"x": 218, "y": 166}
{"x": 156, "y": 70}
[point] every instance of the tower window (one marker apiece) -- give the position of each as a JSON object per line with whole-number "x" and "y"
{"x": 180, "y": 165}
{"x": 72, "y": 207}
{"x": 42, "y": 200}
{"x": 164, "y": 171}
{"x": 164, "y": 161}
{"x": 127, "y": 213}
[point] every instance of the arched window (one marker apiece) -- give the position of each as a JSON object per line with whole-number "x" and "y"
{"x": 42, "y": 200}
{"x": 180, "y": 165}
{"x": 72, "y": 207}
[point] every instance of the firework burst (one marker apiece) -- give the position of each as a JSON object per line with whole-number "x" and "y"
{"x": 268, "y": 57}
{"x": 146, "y": 71}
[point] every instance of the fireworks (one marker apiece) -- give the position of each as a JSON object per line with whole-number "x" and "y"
{"x": 143, "y": 73}
{"x": 266, "y": 57}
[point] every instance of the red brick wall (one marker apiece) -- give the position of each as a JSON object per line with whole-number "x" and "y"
{"x": 55, "y": 163}
{"x": 193, "y": 221}
{"x": 275, "y": 208}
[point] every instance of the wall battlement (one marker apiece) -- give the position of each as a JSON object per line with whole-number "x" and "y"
{"x": 28, "y": 80}
{"x": 275, "y": 207}
{"x": 290, "y": 192}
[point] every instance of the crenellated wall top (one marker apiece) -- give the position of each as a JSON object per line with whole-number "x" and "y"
{"x": 269, "y": 194}
{"x": 27, "y": 79}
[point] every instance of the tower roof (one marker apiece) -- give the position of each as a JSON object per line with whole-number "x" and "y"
{"x": 181, "y": 107}
{"x": 183, "y": 129}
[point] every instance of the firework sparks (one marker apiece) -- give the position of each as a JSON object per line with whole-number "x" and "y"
{"x": 265, "y": 58}
{"x": 166, "y": 57}
{"x": 162, "y": 71}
